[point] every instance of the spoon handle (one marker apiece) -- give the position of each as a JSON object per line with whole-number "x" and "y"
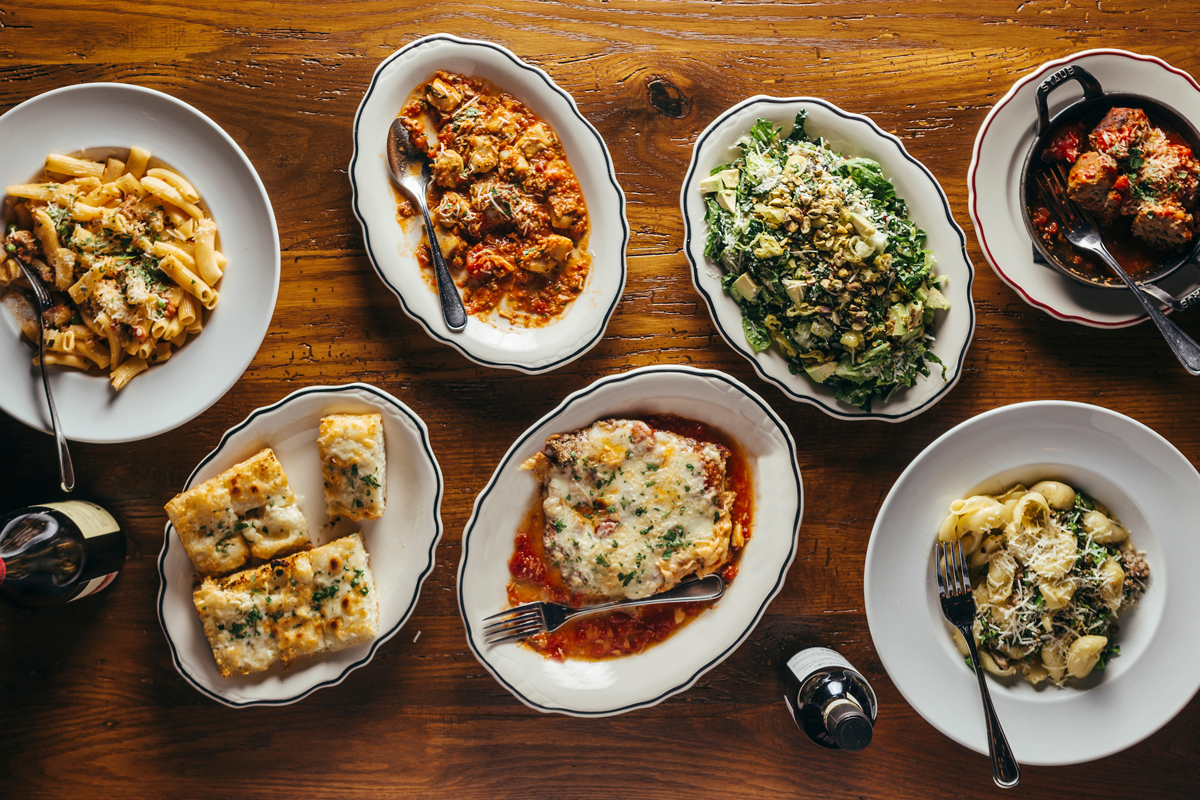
{"x": 66, "y": 469}
{"x": 452, "y": 307}
{"x": 1183, "y": 346}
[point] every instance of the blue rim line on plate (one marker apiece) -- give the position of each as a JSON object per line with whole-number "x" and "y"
{"x": 609, "y": 168}
{"x": 832, "y": 410}
{"x": 437, "y": 516}
{"x": 579, "y": 395}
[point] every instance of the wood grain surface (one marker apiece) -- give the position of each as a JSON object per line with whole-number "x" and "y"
{"x": 90, "y": 703}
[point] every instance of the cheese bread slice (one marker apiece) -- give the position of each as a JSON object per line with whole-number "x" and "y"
{"x": 247, "y": 510}
{"x": 315, "y": 601}
{"x": 353, "y": 465}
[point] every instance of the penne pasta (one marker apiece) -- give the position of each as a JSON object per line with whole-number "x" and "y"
{"x": 206, "y": 254}
{"x": 125, "y": 373}
{"x": 137, "y": 162}
{"x": 176, "y": 181}
{"x": 112, "y": 170}
{"x": 130, "y": 253}
{"x": 63, "y": 360}
{"x": 75, "y": 167}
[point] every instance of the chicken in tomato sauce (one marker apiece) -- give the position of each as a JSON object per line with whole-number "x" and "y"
{"x": 507, "y": 207}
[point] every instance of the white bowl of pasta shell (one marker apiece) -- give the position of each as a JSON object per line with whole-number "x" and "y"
{"x": 1144, "y": 493}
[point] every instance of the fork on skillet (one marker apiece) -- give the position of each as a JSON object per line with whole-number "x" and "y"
{"x": 533, "y": 618}
{"x": 1081, "y": 231}
{"x": 958, "y": 604}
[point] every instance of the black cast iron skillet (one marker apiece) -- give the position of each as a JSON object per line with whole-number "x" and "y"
{"x": 1093, "y": 105}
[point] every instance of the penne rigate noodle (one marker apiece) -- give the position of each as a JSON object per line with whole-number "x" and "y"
{"x": 137, "y": 162}
{"x": 112, "y": 170}
{"x": 87, "y": 347}
{"x": 206, "y": 254}
{"x": 176, "y": 181}
{"x": 75, "y": 167}
{"x": 63, "y": 360}
{"x": 59, "y": 341}
{"x": 189, "y": 281}
{"x": 168, "y": 193}
{"x": 130, "y": 253}
{"x": 124, "y": 373}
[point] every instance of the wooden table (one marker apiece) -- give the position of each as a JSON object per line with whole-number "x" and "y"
{"x": 89, "y": 701}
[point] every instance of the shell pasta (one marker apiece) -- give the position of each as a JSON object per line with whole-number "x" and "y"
{"x": 1051, "y": 569}
{"x": 129, "y": 254}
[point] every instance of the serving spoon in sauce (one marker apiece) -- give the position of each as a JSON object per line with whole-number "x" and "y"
{"x": 410, "y": 171}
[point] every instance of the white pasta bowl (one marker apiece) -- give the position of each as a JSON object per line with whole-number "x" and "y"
{"x": 613, "y": 686}
{"x": 103, "y": 116}
{"x": 392, "y": 246}
{"x": 1148, "y": 484}
{"x": 851, "y": 135}
{"x": 400, "y": 543}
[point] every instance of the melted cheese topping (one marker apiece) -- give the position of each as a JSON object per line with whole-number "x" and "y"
{"x": 631, "y": 511}
{"x": 320, "y": 600}
{"x": 247, "y": 510}
{"x": 353, "y": 465}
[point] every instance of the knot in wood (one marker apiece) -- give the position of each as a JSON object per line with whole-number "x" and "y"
{"x": 667, "y": 99}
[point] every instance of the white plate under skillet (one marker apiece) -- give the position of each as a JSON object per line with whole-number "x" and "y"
{"x": 104, "y": 116}
{"x": 994, "y": 183}
{"x": 613, "y": 686}
{"x": 400, "y": 543}
{"x": 1149, "y": 485}
{"x": 392, "y": 246}
{"x": 851, "y": 135}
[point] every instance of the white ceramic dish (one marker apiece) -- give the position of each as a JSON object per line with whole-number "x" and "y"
{"x": 401, "y": 543}
{"x": 492, "y": 342}
{"x": 613, "y": 686}
{"x": 851, "y": 135}
{"x": 994, "y": 183}
{"x": 1149, "y": 485}
{"x": 113, "y": 115}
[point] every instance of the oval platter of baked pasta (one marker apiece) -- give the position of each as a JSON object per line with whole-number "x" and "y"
{"x": 634, "y": 486}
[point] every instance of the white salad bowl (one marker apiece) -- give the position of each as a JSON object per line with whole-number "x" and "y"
{"x": 392, "y": 246}
{"x": 106, "y": 116}
{"x": 400, "y": 543}
{"x": 851, "y": 135}
{"x": 613, "y": 686}
{"x": 1148, "y": 484}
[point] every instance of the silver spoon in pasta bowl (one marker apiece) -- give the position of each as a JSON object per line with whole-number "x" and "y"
{"x": 411, "y": 172}
{"x": 44, "y": 302}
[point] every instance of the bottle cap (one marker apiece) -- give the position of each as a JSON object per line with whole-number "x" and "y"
{"x": 848, "y": 725}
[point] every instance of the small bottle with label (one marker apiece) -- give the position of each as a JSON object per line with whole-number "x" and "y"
{"x": 54, "y": 553}
{"x": 829, "y": 699}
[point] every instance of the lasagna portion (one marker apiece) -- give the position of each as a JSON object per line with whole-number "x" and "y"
{"x": 316, "y": 601}
{"x": 353, "y": 465}
{"x": 248, "y": 510}
{"x": 630, "y": 511}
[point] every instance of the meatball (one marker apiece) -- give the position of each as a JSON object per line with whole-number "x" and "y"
{"x": 1163, "y": 224}
{"x": 1090, "y": 184}
{"x": 1169, "y": 171}
{"x": 1121, "y": 129}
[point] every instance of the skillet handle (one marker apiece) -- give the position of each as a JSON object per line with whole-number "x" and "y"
{"x": 1073, "y": 72}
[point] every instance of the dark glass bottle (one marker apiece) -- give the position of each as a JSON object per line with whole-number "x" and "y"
{"x": 54, "y": 553}
{"x": 830, "y": 701}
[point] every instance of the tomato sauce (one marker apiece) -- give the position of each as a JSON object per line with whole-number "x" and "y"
{"x": 510, "y": 216}
{"x": 632, "y": 630}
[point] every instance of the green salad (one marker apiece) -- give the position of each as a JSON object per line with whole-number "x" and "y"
{"x": 819, "y": 252}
